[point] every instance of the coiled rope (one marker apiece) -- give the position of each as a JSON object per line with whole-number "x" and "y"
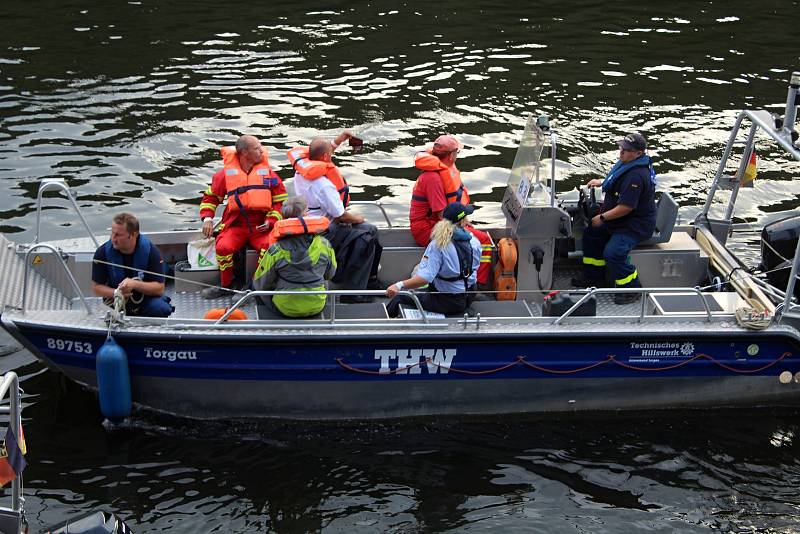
{"x": 116, "y": 315}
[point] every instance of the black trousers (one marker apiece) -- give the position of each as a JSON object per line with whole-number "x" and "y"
{"x": 433, "y": 301}
{"x": 357, "y": 253}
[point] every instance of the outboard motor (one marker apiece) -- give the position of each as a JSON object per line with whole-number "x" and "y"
{"x": 778, "y": 244}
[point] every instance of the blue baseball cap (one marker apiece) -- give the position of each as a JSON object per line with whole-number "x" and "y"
{"x": 456, "y": 211}
{"x": 633, "y": 141}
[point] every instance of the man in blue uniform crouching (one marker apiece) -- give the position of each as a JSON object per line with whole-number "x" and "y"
{"x": 131, "y": 263}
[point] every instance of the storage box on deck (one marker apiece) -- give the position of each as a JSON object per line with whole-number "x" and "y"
{"x": 688, "y": 303}
{"x": 679, "y": 263}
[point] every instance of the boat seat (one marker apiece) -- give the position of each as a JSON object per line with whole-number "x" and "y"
{"x": 368, "y": 310}
{"x": 497, "y": 309}
{"x": 666, "y": 215}
{"x": 266, "y": 314}
{"x": 400, "y": 254}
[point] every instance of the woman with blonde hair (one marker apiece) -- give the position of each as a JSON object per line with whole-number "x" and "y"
{"x": 449, "y": 267}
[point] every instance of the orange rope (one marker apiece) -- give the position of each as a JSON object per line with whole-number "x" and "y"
{"x": 558, "y": 372}
{"x": 706, "y": 357}
{"x": 363, "y": 371}
{"x": 466, "y": 372}
{"x": 770, "y": 364}
{"x": 666, "y": 368}
{"x": 610, "y": 358}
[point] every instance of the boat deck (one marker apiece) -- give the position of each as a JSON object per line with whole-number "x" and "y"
{"x": 190, "y": 305}
{"x": 46, "y": 305}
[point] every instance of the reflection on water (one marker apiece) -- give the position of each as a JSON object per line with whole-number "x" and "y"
{"x": 129, "y": 103}
{"x": 685, "y": 471}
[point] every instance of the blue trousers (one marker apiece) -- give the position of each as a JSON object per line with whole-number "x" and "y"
{"x": 601, "y": 250}
{"x": 151, "y": 307}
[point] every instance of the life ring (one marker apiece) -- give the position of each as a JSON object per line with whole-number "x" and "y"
{"x": 216, "y": 313}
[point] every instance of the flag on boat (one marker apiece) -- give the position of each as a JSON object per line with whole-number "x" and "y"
{"x": 12, "y": 461}
{"x": 751, "y": 170}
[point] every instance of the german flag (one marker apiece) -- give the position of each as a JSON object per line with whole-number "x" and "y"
{"x": 12, "y": 461}
{"x": 751, "y": 170}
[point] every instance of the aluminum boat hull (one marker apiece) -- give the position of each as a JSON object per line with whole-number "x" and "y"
{"x": 363, "y": 376}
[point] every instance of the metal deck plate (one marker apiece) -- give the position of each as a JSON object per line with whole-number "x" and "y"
{"x": 41, "y": 294}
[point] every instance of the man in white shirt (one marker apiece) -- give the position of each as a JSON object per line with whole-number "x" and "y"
{"x": 319, "y": 182}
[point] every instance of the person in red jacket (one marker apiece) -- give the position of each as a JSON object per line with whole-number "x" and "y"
{"x": 255, "y": 195}
{"x": 439, "y": 185}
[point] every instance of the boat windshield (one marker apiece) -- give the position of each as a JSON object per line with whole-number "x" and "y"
{"x": 524, "y": 176}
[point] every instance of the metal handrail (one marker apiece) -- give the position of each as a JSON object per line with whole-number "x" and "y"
{"x": 252, "y": 294}
{"x": 10, "y": 386}
{"x": 553, "y": 146}
{"x": 377, "y": 203}
{"x": 58, "y": 183}
{"x": 644, "y": 291}
{"x": 765, "y": 121}
{"x": 66, "y": 270}
{"x": 746, "y": 155}
{"x": 783, "y": 136}
{"x": 788, "y": 309}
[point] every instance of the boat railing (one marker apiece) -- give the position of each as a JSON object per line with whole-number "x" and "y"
{"x": 782, "y": 131}
{"x": 57, "y": 254}
{"x": 376, "y": 203}
{"x": 545, "y": 125}
{"x": 9, "y": 388}
{"x": 249, "y": 296}
{"x": 643, "y": 291}
{"x": 61, "y": 185}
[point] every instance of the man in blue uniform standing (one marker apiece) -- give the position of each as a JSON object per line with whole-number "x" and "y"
{"x": 131, "y": 263}
{"x": 627, "y": 217}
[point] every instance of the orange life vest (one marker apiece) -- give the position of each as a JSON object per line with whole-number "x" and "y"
{"x": 247, "y": 191}
{"x": 454, "y": 190}
{"x": 297, "y": 226}
{"x": 311, "y": 170}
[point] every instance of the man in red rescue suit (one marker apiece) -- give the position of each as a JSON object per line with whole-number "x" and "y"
{"x": 255, "y": 194}
{"x": 437, "y": 186}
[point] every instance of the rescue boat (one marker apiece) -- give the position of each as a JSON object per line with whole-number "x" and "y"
{"x": 707, "y": 331}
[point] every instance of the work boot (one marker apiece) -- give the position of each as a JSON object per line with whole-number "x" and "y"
{"x": 626, "y": 298}
{"x": 216, "y": 292}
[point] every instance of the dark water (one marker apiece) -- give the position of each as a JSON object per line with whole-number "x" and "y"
{"x": 129, "y": 101}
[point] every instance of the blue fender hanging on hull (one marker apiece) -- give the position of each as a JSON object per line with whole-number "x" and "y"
{"x": 113, "y": 381}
